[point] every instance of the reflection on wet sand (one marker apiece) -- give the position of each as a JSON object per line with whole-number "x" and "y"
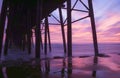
{"x": 1, "y": 73}
{"x": 69, "y": 67}
{"x": 94, "y": 73}
{"x": 60, "y": 68}
{"x": 95, "y": 64}
{"x": 66, "y": 69}
{"x": 40, "y": 69}
{"x": 23, "y": 72}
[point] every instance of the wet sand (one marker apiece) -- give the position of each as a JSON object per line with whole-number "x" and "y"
{"x": 79, "y": 67}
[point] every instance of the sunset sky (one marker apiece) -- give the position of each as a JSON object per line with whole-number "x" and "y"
{"x": 107, "y": 17}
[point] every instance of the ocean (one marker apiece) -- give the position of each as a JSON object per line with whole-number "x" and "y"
{"x": 87, "y": 49}
{"x": 58, "y": 51}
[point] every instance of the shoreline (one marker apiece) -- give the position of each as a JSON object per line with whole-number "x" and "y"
{"x": 84, "y": 67}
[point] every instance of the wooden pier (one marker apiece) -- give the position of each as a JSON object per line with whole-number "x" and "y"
{"x": 23, "y": 16}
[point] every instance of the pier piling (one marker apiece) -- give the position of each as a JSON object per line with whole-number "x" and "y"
{"x": 2, "y": 22}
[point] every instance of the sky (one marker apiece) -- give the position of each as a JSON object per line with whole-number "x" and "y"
{"x": 107, "y": 19}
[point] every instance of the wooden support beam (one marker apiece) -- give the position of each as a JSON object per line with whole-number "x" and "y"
{"x": 29, "y": 31}
{"x": 49, "y": 40}
{"x": 45, "y": 41}
{"x": 69, "y": 37}
{"x": 7, "y": 39}
{"x": 37, "y": 42}
{"x": 77, "y": 20}
{"x": 37, "y": 29}
{"x": 91, "y": 14}
{"x": 77, "y": 10}
{"x": 29, "y": 41}
{"x": 69, "y": 29}
{"x": 62, "y": 29}
{"x": 84, "y": 4}
{"x": 24, "y": 43}
{"x": 41, "y": 42}
{"x": 6, "y": 42}
{"x": 2, "y": 22}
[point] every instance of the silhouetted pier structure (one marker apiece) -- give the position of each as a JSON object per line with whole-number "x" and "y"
{"x": 23, "y": 16}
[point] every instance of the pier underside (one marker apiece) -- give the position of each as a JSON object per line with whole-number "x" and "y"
{"x": 24, "y": 16}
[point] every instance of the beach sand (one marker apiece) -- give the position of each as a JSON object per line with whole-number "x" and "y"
{"x": 79, "y": 67}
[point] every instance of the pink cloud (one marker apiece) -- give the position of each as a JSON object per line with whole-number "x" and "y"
{"x": 106, "y": 30}
{"x": 106, "y": 23}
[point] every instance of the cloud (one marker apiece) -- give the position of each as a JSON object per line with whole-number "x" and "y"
{"x": 118, "y": 34}
{"x": 107, "y": 17}
{"x": 55, "y": 33}
{"x": 108, "y": 22}
{"x": 109, "y": 28}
